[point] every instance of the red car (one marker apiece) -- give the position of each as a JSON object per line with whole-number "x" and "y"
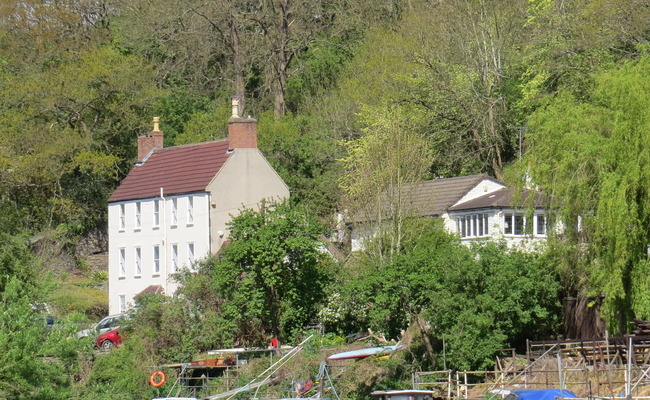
{"x": 108, "y": 340}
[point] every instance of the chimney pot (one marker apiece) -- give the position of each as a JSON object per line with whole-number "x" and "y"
{"x": 147, "y": 143}
{"x": 235, "y": 107}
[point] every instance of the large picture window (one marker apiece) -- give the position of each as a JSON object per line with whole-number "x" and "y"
{"x": 473, "y": 225}
{"x": 519, "y": 224}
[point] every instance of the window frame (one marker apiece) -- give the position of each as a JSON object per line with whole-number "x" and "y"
{"x": 156, "y": 259}
{"x": 138, "y": 215}
{"x": 190, "y": 254}
{"x": 122, "y": 303}
{"x": 122, "y": 217}
{"x": 138, "y": 262}
{"x": 475, "y": 225}
{"x": 523, "y": 224}
{"x": 122, "y": 262}
{"x": 156, "y": 213}
{"x": 174, "y": 257}
{"x": 174, "y": 211}
{"x": 190, "y": 210}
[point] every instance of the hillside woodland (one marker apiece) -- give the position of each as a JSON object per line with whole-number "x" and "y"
{"x": 354, "y": 99}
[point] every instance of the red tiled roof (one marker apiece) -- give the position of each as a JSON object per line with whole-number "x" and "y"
{"x": 152, "y": 289}
{"x": 178, "y": 170}
{"x": 503, "y": 198}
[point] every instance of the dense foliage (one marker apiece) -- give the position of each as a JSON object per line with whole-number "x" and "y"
{"x": 354, "y": 99}
{"x": 477, "y": 300}
{"x": 602, "y": 195}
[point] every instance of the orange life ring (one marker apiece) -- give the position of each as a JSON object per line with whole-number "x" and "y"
{"x": 157, "y": 383}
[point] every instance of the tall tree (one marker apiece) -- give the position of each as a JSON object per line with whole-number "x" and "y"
{"x": 68, "y": 132}
{"x": 589, "y": 155}
{"x": 272, "y": 275}
{"x": 378, "y": 169}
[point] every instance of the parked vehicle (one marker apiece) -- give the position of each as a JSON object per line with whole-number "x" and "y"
{"x": 107, "y": 324}
{"x": 108, "y": 340}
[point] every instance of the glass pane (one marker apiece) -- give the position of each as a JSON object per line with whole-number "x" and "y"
{"x": 541, "y": 225}
{"x": 519, "y": 224}
{"x": 485, "y": 225}
{"x": 474, "y": 230}
{"x": 507, "y": 224}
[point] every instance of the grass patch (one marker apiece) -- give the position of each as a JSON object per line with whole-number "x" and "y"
{"x": 80, "y": 294}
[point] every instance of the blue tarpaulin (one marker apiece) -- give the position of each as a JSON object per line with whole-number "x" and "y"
{"x": 540, "y": 394}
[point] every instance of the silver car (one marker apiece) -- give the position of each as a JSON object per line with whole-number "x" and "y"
{"x": 107, "y": 324}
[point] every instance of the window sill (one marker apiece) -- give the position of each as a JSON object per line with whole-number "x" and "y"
{"x": 137, "y": 276}
{"x": 190, "y": 224}
{"x": 136, "y": 230}
{"x": 156, "y": 275}
{"x": 121, "y": 277}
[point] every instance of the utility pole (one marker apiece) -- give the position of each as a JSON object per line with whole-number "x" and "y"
{"x": 520, "y": 130}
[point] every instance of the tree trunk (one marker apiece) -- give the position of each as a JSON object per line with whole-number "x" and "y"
{"x": 240, "y": 87}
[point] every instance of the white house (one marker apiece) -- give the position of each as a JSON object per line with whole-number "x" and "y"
{"x": 476, "y": 207}
{"x": 174, "y": 205}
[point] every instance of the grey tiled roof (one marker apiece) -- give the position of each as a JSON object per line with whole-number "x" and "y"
{"x": 503, "y": 198}
{"x": 432, "y": 197}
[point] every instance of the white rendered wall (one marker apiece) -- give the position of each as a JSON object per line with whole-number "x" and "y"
{"x": 528, "y": 242}
{"x": 484, "y": 187}
{"x": 243, "y": 182}
{"x": 146, "y": 237}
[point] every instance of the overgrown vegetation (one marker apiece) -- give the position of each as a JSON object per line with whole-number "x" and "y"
{"x": 354, "y": 99}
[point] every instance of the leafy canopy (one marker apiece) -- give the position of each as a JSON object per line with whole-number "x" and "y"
{"x": 591, "y": 155}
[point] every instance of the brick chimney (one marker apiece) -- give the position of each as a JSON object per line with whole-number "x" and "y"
{"x": 242, "y": 132}
{"x": 154, "y": 140}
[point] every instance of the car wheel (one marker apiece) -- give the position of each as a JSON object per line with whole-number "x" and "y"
{"x": 107, "y": 345}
